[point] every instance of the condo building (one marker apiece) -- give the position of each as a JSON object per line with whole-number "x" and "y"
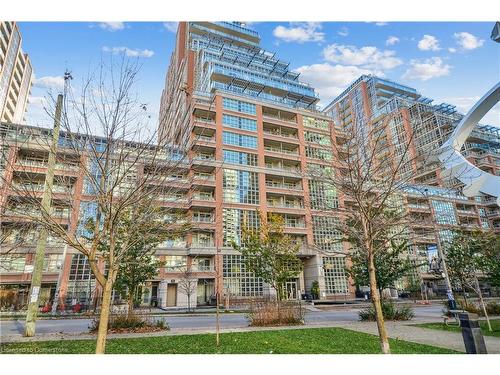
{"x": 251, "y": 131}
{"x": 435, "y": 203}
{"x": 16, "y": 74}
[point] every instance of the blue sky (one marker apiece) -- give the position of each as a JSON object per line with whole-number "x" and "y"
{"x": 453, "y": 62}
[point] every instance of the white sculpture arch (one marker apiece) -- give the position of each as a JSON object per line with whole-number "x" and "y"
{"x": 456, "y": 165}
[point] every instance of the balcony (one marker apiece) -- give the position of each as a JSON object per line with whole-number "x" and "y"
{"x": 279, "y": 133}
{"x": 29, "y": 211}
{"x": 201, "y": 196}
{"x": 203, "y": 219}
{"x": 282, "y": 167}
{"x": 466, "y": 212}
{"x": 494, "y": 213}
{"x": 173, "y": 198}
{"x": 203, "y": 157}
{"x": 284, "y": 185}
{"x": 282, "y": 150}
{"x": 29, "y": 188}
{"x": 202, "y": 249}
{"x": 35, "y": 163}
{"x": 281, "y": 203}
{"x": 419, "y": 206}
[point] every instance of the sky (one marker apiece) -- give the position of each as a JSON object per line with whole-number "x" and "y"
{"x": 453, "y": 62}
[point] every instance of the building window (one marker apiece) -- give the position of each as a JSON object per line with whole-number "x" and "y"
{"x": 326, "y": 237}
{"x": 234, "y": 220}
{"x": 239, "y": 106}
{"x": 204, "y": 265}
{"x": 240, "y": 186}
{"x": 444, "y": 212}
{"x": 175, "y": 263}
{"x": 318, "y": 153}
{"x": 177, "y": 241}
{"x": 323, "y": 195}
{"x": 52, "y": 262}
{"x": 202, "y": 239}
{"x": 446, "y": 237}
{"x": 12, "y": 263}
{"x": 80, "y": 268}
{"x": 239, "y": 122}
{"x": 88, "y": 211}
{"x": 243, "y": 158}
{"x": 237, "y": 280}
{"x": 239, "y": 140}
{"x": 81, "y": 283}
{"x": 335, "y": 277}
{"x": 320, "y": 139}
{"x": 315, "y": 123}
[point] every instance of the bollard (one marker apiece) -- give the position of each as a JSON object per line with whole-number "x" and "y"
{"x": 471, "y": 333}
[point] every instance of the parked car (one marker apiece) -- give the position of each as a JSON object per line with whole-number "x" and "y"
{"x": 307, "y": 297}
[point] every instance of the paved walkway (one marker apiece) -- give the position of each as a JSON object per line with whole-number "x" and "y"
{"x": 407, "y": 332}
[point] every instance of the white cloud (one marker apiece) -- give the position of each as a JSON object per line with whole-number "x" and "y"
{"x": 129, "y": 52}
{"x": 392, "y": 40}
{"x": 330, "y": 80}
{"x": 426, "y": 69}
{"x": 112, "y": 26}
{"x": 467, "y": 41}
{"x": 171, "y": 26}
{"x": 344, "y": 31}
{"x": 38, "y": 101}
{"x": 49, "y": 82}
{"x": 300, "y": 32}
{"x": 452, "y": 50}
{"x": 428, "y": 43}
{"x": 368, "y": 57}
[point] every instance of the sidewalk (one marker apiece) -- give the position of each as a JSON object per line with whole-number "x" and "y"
{"x": 407, "y": 332}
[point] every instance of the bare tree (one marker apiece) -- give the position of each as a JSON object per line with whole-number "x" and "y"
{"x": 122, "y": 183}
{"x": 188, "y": 283}
{"x": 368, "y": 173}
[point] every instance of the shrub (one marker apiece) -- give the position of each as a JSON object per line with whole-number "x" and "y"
{"x": 493, "y": 308}
{"x": 390, "y": 312}
{"x": 272, "y": 313}
{"x": 315, "y": 289}
{"x": 133, "y": 323}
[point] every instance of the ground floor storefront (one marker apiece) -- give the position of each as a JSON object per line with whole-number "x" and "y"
{"x": 173, "y": 287}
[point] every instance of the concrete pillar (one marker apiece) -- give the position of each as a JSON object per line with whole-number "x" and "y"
{"x": 313, "y": 271}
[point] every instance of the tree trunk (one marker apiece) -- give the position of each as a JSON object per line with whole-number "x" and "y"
{"x": 104, "y": 316}
{"x": 384, "y": 341}
{"x": 482, "y": 304}
{"x": 130, "y": 301}
{"x": 464, "y": 294}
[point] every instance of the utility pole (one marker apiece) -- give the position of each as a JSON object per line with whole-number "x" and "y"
{"x": 59, "y": 280}
{"x": 36, "y": 278}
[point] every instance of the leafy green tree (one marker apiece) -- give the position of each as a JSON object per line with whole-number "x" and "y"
{"x": 390, "y": 265}
{"x": 470, "y": 254}
{"x": 270, "y": 253}
{"x": 490, "y": 262}
{"x": 138, "y": 265}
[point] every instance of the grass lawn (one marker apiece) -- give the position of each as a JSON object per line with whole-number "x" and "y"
{"x": 299, "y": 341}
{"x": 495, "y": 325}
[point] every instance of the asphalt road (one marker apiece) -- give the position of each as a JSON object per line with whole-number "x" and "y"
{"x": 203, "y": 321}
